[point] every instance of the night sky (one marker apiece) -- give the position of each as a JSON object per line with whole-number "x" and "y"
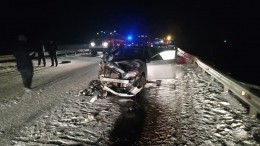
{"x": 214, "y": 30}
{"x": 75, "y": 20}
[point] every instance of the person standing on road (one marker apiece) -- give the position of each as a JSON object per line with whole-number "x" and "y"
{"x": 24, "y": 55}
{"x": 52, "y": 48}
{"x": 40, "y": 52}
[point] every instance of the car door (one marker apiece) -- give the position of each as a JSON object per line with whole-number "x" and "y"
{"x": 162, "y": 65}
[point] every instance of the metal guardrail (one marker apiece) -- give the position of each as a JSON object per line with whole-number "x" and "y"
{"x": 236, "y": 87}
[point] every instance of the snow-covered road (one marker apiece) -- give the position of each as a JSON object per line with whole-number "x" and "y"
{"x": 193, "y": 110}
{"x": 50, "y": 87}
{"x": 189, "y": 110}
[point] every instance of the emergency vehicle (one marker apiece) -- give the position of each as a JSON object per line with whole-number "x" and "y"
{"x": 106, "y": 42}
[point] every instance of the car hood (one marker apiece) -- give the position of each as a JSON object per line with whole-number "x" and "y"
{"x": 129, "y": 65}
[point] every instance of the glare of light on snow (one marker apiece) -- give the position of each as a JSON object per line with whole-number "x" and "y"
{"x": 240, "y": 134}
{"x": 219, "y": 111}
{"x": 235, "y": 125}
{"x": 224, "y": 103}
{"x": 221, "y": 126}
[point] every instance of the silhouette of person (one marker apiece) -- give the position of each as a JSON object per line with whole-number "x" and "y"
{"x": 24, "y": 55}
{"x": 40, "y": 52}
{"x": 52, "y": 48}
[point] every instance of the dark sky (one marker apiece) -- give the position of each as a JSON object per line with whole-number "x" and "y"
{"x": 76, "y": 19}
{"x": 226, "y": 32}
{"x": 190, "y": 22}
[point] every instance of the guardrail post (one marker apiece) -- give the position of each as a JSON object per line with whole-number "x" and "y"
{"x": 66, "y": 55}
{"x": 212, "y": 78}
{"x": 252, "y": 111}
{"x": 225, "y": 88}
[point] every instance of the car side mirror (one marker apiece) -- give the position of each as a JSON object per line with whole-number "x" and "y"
{"x": 110, "y": 57}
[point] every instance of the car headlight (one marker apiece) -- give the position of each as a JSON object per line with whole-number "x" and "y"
{"x": 105, "y": 44}
{"x": 131, "y": 74}
{"x": 92, "y": 44}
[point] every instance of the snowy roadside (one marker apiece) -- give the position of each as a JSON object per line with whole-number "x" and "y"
{"x": 75, "y": 122}
{"x": 51, "y": 86}
{"x": 194, "y": 110}
{"x": 11, "y": 86}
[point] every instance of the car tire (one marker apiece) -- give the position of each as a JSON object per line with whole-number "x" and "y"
{"x": 141, "y": 82}
{"x": 94, "y": 53}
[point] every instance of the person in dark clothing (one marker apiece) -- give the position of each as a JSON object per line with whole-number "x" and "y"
{"x": 24, "y": 55}
{"x": 40, "y": 52}
{"x": 52, "y": 48}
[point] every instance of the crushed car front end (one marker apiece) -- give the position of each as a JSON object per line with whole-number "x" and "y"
{"x": 123, "y": 78}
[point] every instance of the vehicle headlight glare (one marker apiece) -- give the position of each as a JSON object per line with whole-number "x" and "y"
{"x": 92, "y": 44}
{"x": 105, "y": 44}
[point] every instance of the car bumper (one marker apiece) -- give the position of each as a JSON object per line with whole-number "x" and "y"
{"x": 98, "y": 48}
{"x": 131, "y": 93}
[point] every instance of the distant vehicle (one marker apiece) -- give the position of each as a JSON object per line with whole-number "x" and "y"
{"x": 171, "y": 44}
{"x": 143, "y": 40}
{"x": 164, "y": 44}
{"x": 106, "y": 42}
{"x": 157, "y": 43}
{"x": 125, "y": 71}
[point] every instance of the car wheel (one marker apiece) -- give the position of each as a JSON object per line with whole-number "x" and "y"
{"x": 93, "y": 53}
{"x": 141, "y": 82}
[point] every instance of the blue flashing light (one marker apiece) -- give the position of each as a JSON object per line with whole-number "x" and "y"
{"x": 129, "y": 38}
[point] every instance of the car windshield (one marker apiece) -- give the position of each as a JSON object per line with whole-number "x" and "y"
{"x": 129, "y": 54}
{"x": 100, "y": 37}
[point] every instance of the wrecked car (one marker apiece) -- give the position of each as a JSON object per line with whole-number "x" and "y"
{"x": 125, "y": 71}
